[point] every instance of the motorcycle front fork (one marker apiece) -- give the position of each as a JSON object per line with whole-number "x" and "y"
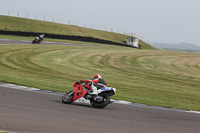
{"x": 71, "y": 93}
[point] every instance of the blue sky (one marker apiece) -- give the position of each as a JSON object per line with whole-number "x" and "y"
{"x": 164, "y": 21}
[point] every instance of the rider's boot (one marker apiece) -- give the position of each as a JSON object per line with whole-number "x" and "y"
{"x": 94, "y": 90}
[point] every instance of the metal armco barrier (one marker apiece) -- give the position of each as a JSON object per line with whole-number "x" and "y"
{"x": 56, "y": 36}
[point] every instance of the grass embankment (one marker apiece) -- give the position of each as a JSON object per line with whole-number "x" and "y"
{"x": 29, "y": 25}
{"x": 170, "y": 79}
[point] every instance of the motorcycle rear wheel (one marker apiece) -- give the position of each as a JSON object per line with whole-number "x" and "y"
{"x": 67, "y": 98}
{"x": 102, "y": 104}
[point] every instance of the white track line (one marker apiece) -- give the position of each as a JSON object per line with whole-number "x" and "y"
{"x": 83, "y": 101}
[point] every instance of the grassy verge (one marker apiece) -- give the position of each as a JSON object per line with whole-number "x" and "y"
{"x": 163, "y": 78}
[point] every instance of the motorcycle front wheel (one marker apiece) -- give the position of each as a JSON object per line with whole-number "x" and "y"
{"x": 68, "y": 98}
{"x": 33, "y": 42}
{"x": 102, "y": 104}
{"x": 36, "y": 41}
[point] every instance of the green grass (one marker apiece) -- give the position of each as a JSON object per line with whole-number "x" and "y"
{"x": 163, "y": 78}
{"x": 29, "y": 25}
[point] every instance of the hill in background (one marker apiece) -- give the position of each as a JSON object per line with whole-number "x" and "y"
{"x": 28, "y": 25}
{"x": 187, "y": 47}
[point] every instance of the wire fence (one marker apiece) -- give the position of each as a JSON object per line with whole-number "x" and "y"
{"x": 64, "y": 21}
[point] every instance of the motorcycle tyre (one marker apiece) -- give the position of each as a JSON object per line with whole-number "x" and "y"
{"x": 33, "y": 42}
{"x": 67, "y": 101}
{"x": 102, "y": 105}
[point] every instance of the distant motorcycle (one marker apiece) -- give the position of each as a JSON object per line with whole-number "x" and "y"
{"x": 81, "y": 90}
{"x": 36, "y": 40}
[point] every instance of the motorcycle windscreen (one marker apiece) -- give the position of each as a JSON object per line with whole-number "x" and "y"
{"x": 79, "y": 92}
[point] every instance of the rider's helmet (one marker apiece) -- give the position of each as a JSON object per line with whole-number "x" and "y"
{"x": 97, "y": 76}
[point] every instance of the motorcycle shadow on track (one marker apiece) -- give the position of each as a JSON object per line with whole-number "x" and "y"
{"x": 73, "y": 104}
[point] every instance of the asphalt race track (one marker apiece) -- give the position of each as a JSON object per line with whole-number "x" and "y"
{"x": 35, "y": 112}
{"x": 21, "y": 42}
{"x": 24, "y": 111}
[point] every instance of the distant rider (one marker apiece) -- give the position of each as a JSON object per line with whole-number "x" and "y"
{"x": 97, "y": 83}
{"x": 38, "y": 39}
{"x": 41, "y": 37}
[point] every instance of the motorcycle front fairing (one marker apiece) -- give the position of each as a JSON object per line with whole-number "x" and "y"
{"x": 79, "y": 91}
